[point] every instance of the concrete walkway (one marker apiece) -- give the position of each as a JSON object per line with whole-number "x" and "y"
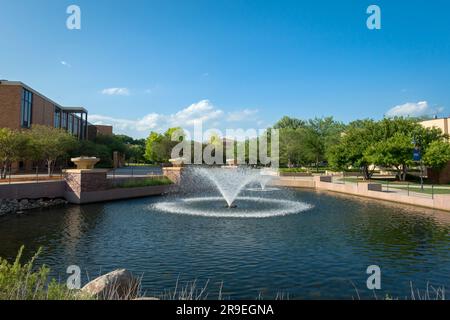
{"x": 438, "y": 201}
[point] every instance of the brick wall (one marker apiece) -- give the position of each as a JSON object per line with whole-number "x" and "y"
{"x": 10, "y": 99}
{"x": 88, "y": 181}
{"x": 439, "y": 176}
{"x": 104, "y": 130}
{"x": 10, "y": 108}
{"x": 48, "y": 189}
{"x": 43, "y": 111}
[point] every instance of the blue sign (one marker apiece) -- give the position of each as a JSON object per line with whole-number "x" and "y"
{"x": 417, "y": 155}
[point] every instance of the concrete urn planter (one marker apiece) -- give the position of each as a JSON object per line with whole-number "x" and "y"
{"x": 85, "y": 163}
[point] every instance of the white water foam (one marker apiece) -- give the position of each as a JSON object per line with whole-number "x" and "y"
{"x": 271, "y": 208}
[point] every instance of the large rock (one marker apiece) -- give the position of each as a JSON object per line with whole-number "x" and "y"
{"x": 116, "y": 285}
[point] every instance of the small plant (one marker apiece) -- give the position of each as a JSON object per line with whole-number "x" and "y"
{"x": 25, "y": 282}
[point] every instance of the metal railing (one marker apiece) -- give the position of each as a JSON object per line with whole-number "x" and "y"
{"x": 35, "y": 175}
{"x": 405, "y": 188}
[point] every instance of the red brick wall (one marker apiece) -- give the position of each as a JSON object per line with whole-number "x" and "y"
{"x": 43, "y": 111}
{"x": 439, "y": 176}
{"x": 10, "y": 100}
{"x": 104, "y": 130}
{"x": 10, "y": 103}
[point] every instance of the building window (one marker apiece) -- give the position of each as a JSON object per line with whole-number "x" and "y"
{"x": 26, "y": 108}
{"x": 76, "y": 126}
{"x": 57, "y": 118}
{"x": 63, "y": 120}
{"x": 70, "y": 123}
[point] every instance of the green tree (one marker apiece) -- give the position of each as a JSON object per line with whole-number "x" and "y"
{"x": 321, "y": 134}
{"x": 49, "y": 144}
{"x": 135, "y": 153}
{"x": 293, "y": 149}
{"x": 437, "y": 154}
{"x": 13, "y": 147}
{"x": 152, "y": 140}
{"x": 289, "y": 123}
{"x": 354, "y": 141}
{"x": 92, "y": 149}
{"x": 396, "y": 152}
{"x": 158, "y": 147}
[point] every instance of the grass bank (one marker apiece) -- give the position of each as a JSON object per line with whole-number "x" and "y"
{"x": 149, "y": 182}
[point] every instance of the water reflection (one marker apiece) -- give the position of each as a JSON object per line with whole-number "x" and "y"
{"x": 319, "y": 253}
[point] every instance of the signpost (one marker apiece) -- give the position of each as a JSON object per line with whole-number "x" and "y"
{"x": 417, "y": 156}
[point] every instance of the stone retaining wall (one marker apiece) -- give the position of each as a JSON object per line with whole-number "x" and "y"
{"x": 32, "y": 190}
{"x": 116, "y": 194}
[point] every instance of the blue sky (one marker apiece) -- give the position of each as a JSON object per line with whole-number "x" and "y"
{"x": 146, "y": 65}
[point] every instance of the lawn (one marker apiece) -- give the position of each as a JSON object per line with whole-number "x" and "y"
{"x": 403, "y": 185}
{"x": 134, "y": 183}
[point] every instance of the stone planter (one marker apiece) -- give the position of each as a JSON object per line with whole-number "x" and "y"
{"x": 85, "y": 163}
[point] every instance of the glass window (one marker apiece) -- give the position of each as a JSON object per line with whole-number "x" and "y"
{"x": 26, "y": 108}
{"x": 70, "y": 123}
{"x": 57, "y": 118}
{"x": 63, "y": 120}
{"x": 76, "y": 126}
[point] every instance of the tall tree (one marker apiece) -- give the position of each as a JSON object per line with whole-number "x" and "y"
{"x": 395, "y": 151}
{"x": 158, "y": 147}
{"x": 13, "y": 147}
{"x": 49, "y": 144}
{"x": 289, "y": 123}
{"x": 354, "y": 141}
{"x": 437, "y": 154}
{"x": 321, "y": 133}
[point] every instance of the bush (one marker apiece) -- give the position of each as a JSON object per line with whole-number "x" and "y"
{"x": 292, "y": 170}
{"x": 146, "y": 183}
{"x": 24, "y": 282}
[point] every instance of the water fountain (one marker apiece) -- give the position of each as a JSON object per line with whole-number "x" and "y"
{"x": 229, "y": 182}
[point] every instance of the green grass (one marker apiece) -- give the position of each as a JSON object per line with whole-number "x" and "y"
{"x": 26, "y": 282}
{"x": 142, "y": 165}
{"x": 139, "y": 183}
{"x": 403, "y": 185}
{"x": 426, "y": 190}
{"x": 292, "y": 170}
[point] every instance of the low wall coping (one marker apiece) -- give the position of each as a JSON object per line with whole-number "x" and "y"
{"x": 86, "y": 171}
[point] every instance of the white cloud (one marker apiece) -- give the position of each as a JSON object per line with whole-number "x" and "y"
{"x": 203, "y": 111}
{"x": 116, "y": 91}
{"x": 66, "y": 64}
{"x": 242, "y": 115}
{"x": 413, "y": 109}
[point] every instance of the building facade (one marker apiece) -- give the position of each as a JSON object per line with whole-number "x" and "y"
{"x": 21, "y": 107}
{"x": 441, "y": 176}
{"x": 441, "y": 123}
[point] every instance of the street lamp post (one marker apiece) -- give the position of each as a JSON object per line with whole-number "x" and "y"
{"x": 417, "y": 156}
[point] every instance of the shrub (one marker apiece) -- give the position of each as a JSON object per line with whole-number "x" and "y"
{"x": 146, "y": 183}
{"x": 24, "y": 282}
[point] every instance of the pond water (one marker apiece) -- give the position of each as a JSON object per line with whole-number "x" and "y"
{"x": 320, "y": 252}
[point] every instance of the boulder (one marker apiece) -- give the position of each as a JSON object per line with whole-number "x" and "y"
{"x": 116, "y": 285}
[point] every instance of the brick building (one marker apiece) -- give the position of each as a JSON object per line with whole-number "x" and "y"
{"x": 21, "y": 107}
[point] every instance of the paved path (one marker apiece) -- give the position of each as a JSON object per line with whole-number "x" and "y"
{"x": 135, "y": 171}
